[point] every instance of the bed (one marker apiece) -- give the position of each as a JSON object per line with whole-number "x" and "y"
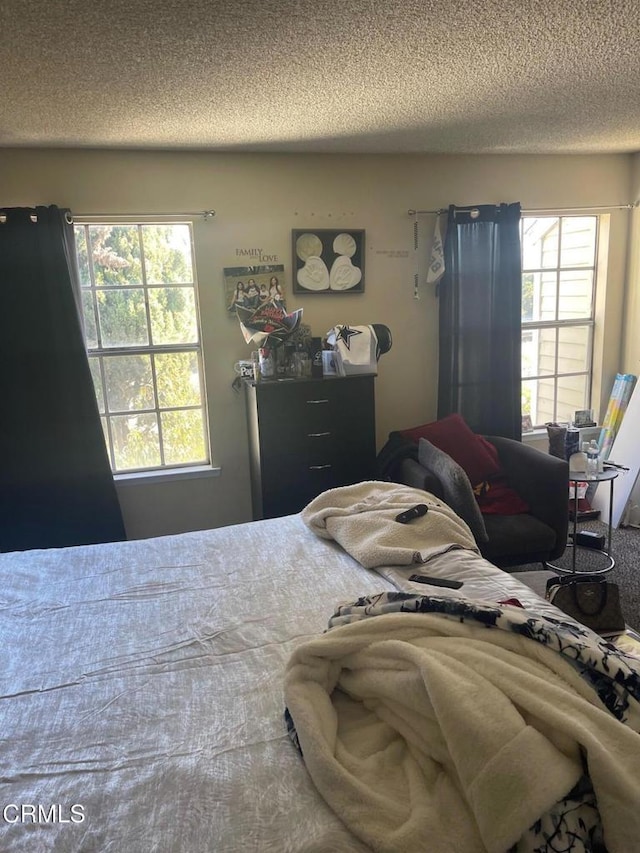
{"x": 142, "y": 690}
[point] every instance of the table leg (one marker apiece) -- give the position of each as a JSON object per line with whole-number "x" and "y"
{"x": 605, "y": 550}
{"x": 575, "y": 526}
{"x": 610, "y": 517}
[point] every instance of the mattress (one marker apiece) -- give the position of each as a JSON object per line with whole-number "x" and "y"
{"x": 141, "y": 694}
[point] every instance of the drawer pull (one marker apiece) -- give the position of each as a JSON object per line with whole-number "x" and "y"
{"x": 318, "y": 467}
{"x": 317, "y": 434}
{"x": 317, "y": 401}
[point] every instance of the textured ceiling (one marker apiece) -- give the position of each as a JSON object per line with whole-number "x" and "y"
{"x": 322, "y": 75}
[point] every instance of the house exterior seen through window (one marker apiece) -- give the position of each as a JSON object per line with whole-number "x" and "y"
{"x": 558, "y": 298}
{"x": 141, "y": 321}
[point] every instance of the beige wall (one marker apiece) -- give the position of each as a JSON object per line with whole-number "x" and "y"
{"x": 258, "y": 200}
{"x": 631, "y": 352}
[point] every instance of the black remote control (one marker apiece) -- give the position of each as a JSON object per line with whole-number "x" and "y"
{"x": 415, "y": 512}
{"x": 436, "y": 581}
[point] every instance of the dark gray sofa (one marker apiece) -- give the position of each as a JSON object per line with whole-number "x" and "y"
{"x": 540, "y": 479}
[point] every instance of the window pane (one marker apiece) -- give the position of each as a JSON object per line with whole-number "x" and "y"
{"x": 129, "y": 383}
{"x": 115, "y": 251}
{"x": 183, "y": 436}
{"x": 538, "y": 352}
{"x": 539, "y": 242}
{"x": 135, "y": 441}
{"x": 558, "y": 286}
{"x": 527, "y": 296}
{"x": 82, "y": 255}
{"x": 573, "y": 349}
{"x": 173, "y": 315}
{"x": 89, "y": 315}
{"x": 167, "y": 254}
{"x": 103, "y": 423}
{"x": 547, "y": 351}
{"x": 140, "y": 322}
{"x": 538, "y": 397}
{"x": 539, "y": 296}
{"x": 578, "y": 247}
{"x": 178, "y": 379}
{"x": 123, "y": 319}
{"x": 94, "y": 366}
{"x": 526, "y": 394}
{"x": 572, "y": 395}
{"x": 576, "y": 289}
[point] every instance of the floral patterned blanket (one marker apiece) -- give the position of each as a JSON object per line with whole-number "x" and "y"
{"x": 480, "y": 710}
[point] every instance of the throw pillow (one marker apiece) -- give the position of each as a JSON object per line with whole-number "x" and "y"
{"x": 500, "y": 499}
{"x": 456, "y": 487}
{"x": 475, "y": 455}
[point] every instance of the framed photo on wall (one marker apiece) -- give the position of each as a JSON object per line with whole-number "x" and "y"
{"x": 327, "y": 260}
{"x": 250, "y": 287}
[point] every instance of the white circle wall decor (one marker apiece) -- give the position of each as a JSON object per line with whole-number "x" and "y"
{"x": 308, "y": 246}
{"x": 344, "y": 244}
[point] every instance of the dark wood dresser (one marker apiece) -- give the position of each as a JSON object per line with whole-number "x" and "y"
{"x": 308, "y": 435}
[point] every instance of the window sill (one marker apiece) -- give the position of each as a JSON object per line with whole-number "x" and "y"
{"x": 537, "y": 438}
{"x": 534, "y": 435}
{"x": 140, "y": 478}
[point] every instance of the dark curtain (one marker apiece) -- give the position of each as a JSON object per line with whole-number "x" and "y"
{"x": 480, "y": 319}
{"x": 56, "y": 485}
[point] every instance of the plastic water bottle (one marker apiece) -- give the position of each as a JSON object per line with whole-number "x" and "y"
{"x": 593, "y": 452}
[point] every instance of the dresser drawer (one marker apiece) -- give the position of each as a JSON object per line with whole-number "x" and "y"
{"x": 306, "y": 437}
{"x": 295, "y": 409}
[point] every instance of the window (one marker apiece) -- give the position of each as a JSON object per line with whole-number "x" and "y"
{"x": 142, "y": 332}
{"x": 558, "y": 297}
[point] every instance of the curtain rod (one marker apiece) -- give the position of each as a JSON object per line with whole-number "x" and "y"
{"x": 205, "y": 214}
{"x": 442, "y": 210}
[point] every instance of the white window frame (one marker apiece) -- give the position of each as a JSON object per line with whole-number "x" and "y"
{"x": 588, "y": 321}
{"x": 181, "y": 469}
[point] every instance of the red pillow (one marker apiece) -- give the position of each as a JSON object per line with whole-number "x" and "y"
{"x": 477, "y": 456}
{"x": 500, "y": 499}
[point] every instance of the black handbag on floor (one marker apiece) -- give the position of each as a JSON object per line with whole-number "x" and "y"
{"x": 594, "y": 602}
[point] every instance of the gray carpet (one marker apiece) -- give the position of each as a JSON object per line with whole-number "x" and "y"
{"x": 625, "y": 547}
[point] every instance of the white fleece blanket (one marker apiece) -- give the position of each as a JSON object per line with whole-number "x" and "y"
{"x": 424, "y": 732}
{"x": 361, "y": 518}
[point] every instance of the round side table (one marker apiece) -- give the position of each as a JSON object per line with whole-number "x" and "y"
{"x": 575, "y": 477}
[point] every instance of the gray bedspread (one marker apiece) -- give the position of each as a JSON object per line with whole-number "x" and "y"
{"x": 141, "y": 689}
{"x": 141, "y": 683}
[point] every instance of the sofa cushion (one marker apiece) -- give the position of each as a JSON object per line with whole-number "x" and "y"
{"x": 475, "y": 455}
{"x": 517, "y": 534}
{"x": 455, "y": 485}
